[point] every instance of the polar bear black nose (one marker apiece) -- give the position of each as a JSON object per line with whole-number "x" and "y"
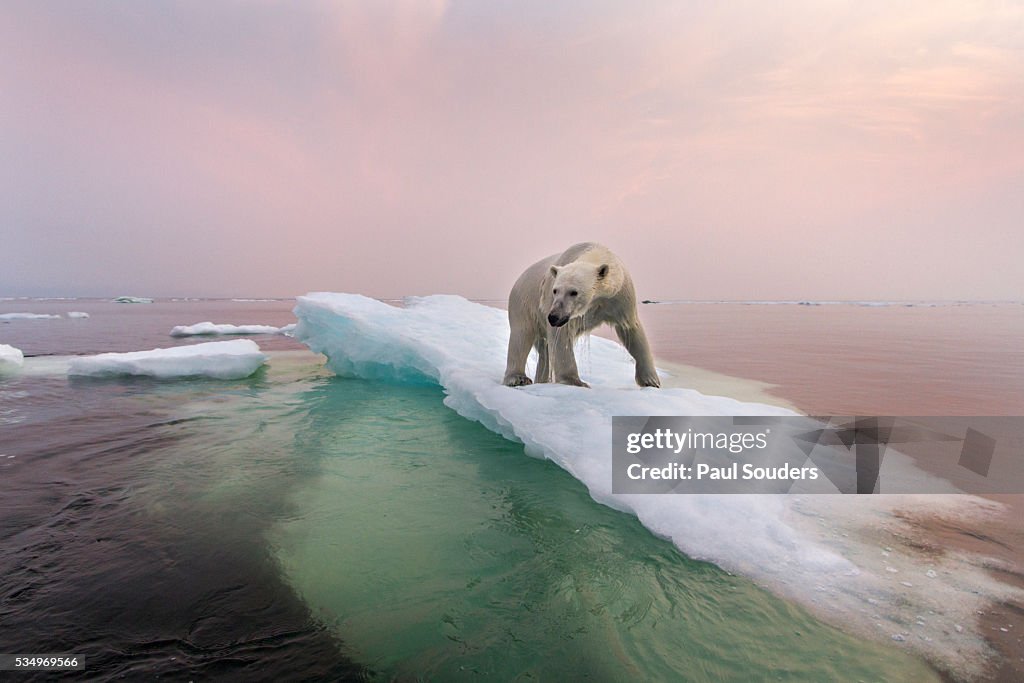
{"x": 555, "y": 321}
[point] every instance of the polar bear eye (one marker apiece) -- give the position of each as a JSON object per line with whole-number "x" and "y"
{"x": 573, "y": 292}
{"x": 555, "y": 290}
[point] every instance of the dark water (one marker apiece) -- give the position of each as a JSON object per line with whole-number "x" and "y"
{"x": 104, "y": 555}
{"x": 299, "y": 526}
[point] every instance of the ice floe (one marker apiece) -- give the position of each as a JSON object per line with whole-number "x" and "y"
{"x": 28, "y": 316}
{"x": 818, "y": 549}
{"x": 221, "y": 360}
{"x": 210, "y": 329}
{"x": 11, "y": 359}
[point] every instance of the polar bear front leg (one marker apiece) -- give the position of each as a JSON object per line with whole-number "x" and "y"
{"x": 633, "y": 338}
{"x": 563, "y": 359}
{"x": 543, "y": 364}
{"x": 519, "y": 344}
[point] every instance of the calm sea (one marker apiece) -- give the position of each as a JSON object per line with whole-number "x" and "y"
{"x": 922, "y": 359}
{"x": 297, "y": 525}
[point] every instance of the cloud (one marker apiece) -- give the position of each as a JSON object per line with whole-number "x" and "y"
{"x": 389, "y": 148}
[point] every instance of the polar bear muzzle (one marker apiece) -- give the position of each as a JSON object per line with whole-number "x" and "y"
{"x": 556, "y": 320}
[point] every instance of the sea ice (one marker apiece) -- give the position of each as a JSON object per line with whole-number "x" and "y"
{"x": 27, "y": 316}
{"x": 221, "y": 360}
{"x": 788, "y": 542}
{"x": 78, "y": 314}
{"x": 11, "y": 359}
{"x": 461, "y": 346}
{"x": 133, "y": 300}
{"x": 209, "y": 328}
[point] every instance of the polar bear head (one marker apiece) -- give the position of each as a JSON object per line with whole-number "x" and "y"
{"x": 574, "y": 287}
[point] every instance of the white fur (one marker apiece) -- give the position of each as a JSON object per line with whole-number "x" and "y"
{"x": 564, "y": 296}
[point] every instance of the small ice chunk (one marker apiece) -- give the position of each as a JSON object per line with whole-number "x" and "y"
{"x": 931, "y": 574}
{"x": 221, "y": 360}
{"x": 209, "y": 328}
{"x": 133, "y": 300}
{"x": 77, "y": 314}
{"x": 27, "y": 316}
{"x": 11, "y": 359}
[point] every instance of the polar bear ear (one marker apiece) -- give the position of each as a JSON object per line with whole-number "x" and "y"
{"x": 602, "y": 271}
{"x": 554, "y": 271}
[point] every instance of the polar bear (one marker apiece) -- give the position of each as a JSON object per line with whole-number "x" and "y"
{"x": 567, "y": 295}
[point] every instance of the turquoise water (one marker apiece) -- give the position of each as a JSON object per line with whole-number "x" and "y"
{"x": 435, "y": 549}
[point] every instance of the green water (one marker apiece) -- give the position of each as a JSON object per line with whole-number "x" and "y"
{"x": 435, "y": 549}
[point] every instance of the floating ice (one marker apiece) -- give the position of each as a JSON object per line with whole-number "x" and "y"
{"x": 11, "y": 359}
{"x": 133, "y": 300}
{"x": 78, "y": 314}
{"x": 461, "y": 346}
{"x": 221, "y": 360}
{"x": 208, "y": 328}
{"x": 820, "y": 550}
{"x": 27, "y": 316}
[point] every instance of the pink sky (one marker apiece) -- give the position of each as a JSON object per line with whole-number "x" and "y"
{"x": 737, "y": 150}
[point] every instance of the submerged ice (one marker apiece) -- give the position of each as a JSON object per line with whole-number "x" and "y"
{"x": 220, "y": 360}
{"x": 820, "y": 550}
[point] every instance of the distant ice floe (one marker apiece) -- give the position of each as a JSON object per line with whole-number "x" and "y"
{"x": 132, "y": 300}
{"x": 27, "y": 316}
{"x": 822, "y": 550}
{"x": 220, "y": 360}
{"x": 11, "y": 359}
{"x": 209, "y": 328}
{"x": 41, "y": 316}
